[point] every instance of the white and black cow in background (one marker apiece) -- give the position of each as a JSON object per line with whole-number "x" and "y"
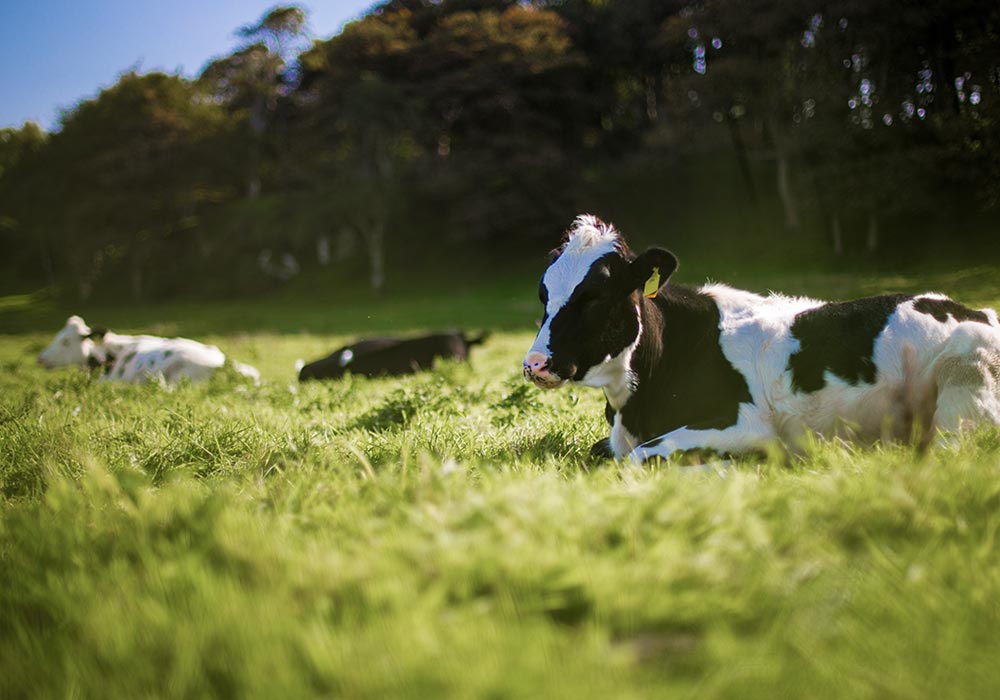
{"x": 728, "y": 370}
{"x": 135, "y": 358}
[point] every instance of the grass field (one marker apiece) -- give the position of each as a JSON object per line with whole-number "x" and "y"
{"x": 444, "y": 535}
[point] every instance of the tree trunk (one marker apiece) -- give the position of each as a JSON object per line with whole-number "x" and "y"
{"x": 373, "y": 235}
{"x": 323, "y": 250}
{"x": 784, "y": 184}
{"x": 785, "y": 194}
{"x": 871, "y": 241}
{"x": 258, "y": 124}
{"x": 253, "y": 178}
{"x": 838, "y": 237}
{"x": 744, "y": 162}
{"x": 652, "y": 111}
{"x": 944, "y": 68}
{"x": 135, "y": 276}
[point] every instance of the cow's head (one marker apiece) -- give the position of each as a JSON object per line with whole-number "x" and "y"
{"x": 73, "y": 345}
{"x": 591, "y": 293}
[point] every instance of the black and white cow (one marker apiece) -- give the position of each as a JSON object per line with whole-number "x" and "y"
{"x": 728, "y": 370}
{"x": 388, "y": 355}
{"x": 136, "y": 358}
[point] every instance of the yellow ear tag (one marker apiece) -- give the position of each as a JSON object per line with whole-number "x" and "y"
{"x": 652, "y": 284}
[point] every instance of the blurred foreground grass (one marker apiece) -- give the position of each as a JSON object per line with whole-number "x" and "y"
{"x": 444, "y": 534}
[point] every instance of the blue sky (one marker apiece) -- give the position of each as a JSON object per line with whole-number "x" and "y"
{"x": 53, "y": 53}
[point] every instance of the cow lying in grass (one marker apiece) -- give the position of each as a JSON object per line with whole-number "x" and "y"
{"x": 727, "y": 370}
{"x": 135, "y": 358}
{"x": 373, "y": 357}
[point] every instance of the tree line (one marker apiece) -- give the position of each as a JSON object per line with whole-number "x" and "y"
{"x": 855, "y": 127}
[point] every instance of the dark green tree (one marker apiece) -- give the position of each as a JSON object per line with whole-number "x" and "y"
{"x": 252, "y": 80}
{"x": 124, "y": 180}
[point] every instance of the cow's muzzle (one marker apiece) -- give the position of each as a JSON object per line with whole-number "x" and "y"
{"x": 537, "y": 370}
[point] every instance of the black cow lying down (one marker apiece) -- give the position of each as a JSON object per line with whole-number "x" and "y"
{"x": 731, "y": 371}
{"x": 388, "y": 355}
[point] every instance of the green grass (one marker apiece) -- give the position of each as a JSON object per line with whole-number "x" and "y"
{"x": 444, "y": 535}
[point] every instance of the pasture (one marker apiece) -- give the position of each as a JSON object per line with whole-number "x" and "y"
{"x": 445, "y": 535}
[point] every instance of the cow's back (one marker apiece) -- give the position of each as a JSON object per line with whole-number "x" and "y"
{"x": 868, "y": 367}
{"x": 340, "y": 360}
{"x": 411, "y": 355}
{"x": 373, "y": 357}
{"x": 170, "y": 358}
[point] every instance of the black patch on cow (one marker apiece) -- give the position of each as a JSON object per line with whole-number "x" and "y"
{"x": 602, "y": 450}
{"x": 839, "y": 337}
{"x": 684, "y": 379}
{"x": 109, "y": 363}
{"x": 941, "y": 309}
{"x": 373, "y": 357}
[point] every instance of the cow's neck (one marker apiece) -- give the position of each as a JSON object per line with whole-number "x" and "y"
{"x": 671, "y": 307}
{"x": 620, "y": 376}
{"x": 617, "y": 375}
{"x": 648, "y": 347}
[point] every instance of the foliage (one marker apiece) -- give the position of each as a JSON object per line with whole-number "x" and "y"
{"x": 109, "y": 202}
{"x": 878, "y": 105}
{"x": 848, "y": 129}
{"x": 252, "y": 80}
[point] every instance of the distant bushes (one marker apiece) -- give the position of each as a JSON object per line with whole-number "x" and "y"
{"x": 842, "y": 128}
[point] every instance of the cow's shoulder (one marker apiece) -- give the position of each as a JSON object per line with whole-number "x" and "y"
{"x": 732, "y": 301}
{"x": 839, "y": 337}
{"x": 691, "y": 383}
{"x": 755, "y": 332}
{"x": 743, "y": 310}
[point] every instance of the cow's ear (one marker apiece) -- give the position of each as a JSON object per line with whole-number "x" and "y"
{"x": 97, "y": 333}
{"x": 651, "y": 270}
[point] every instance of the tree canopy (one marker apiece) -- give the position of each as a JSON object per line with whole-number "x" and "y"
{"x": 849, "y": 127}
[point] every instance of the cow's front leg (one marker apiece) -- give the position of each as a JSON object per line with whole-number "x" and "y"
{"x": 745, "y": 436}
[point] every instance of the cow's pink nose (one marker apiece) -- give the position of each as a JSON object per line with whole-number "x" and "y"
{"x": 536, "y": 362}
{"x": 536, "y": 367}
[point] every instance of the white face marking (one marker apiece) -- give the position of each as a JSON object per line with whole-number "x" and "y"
{"x": 589, "y": 241}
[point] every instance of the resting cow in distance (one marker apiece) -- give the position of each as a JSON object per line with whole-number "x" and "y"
{"x": 728, "y": 370}
{"x": 135, "y": 358}
{"x": 373, "y": 357}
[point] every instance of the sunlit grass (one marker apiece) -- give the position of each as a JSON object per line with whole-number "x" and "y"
{"x": 446, "y": 535}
